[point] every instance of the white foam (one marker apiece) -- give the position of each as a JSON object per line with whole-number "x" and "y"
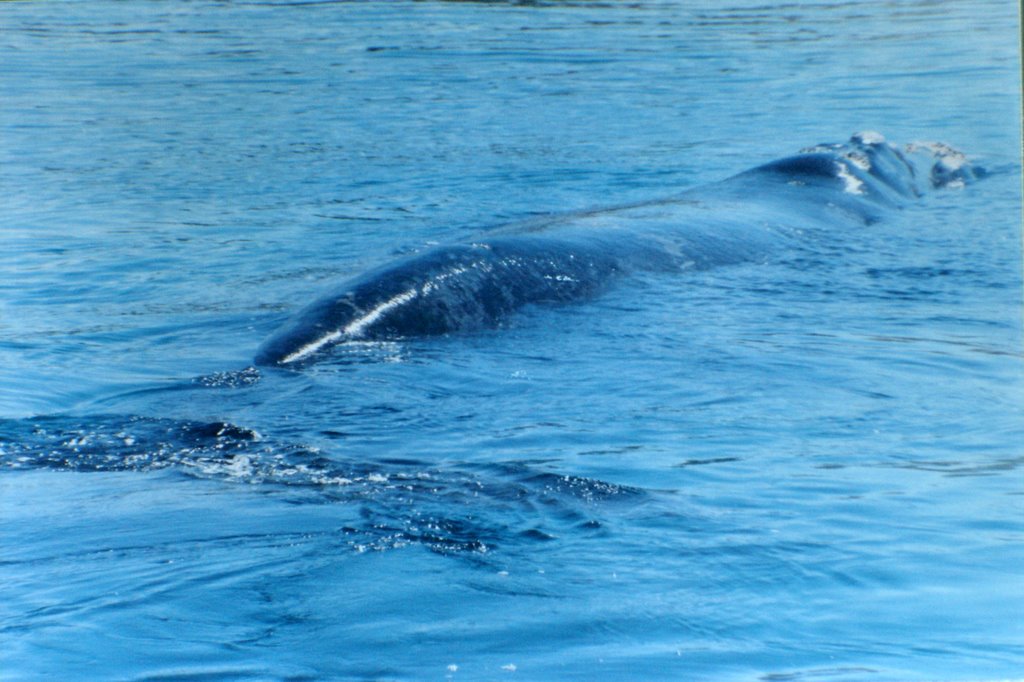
{"x": 239, "y": 467}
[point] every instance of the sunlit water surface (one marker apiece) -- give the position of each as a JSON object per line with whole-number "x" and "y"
{"x": 804, "y": 467}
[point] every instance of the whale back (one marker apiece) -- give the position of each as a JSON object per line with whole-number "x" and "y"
{"x": 445, "y": 289}
{"x": 477, "y": 285}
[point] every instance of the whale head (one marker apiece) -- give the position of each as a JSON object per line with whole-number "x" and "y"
{"x": 943, "y": 165}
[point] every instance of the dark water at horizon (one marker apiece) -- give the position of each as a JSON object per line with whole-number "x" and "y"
{"x": 802, "y": 467}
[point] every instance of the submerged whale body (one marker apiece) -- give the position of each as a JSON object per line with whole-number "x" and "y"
{"x": 573, "y": 257}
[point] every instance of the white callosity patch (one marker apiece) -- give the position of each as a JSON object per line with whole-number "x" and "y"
{"x": 821, "y": 148}
{"x": 950, "y": 158}
{"x": 868, "y": 137}
{"x": 857, "y": 158}
{"x": 950, "y": 165}
{"x": 851, "y": 183}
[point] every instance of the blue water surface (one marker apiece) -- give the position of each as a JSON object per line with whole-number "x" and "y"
{"x": 804, "y": 466}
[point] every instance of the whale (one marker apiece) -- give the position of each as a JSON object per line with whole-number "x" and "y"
{"x": 481, "y": 282}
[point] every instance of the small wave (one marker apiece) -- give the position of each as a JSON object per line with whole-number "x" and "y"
{"x": 461, "y": 509}
{"x": 249, "y": 376}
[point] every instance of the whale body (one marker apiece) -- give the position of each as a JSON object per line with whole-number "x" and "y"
{"x": 480, "y": 283}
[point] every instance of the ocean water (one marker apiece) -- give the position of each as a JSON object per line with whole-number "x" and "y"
{"x": 803, "y": 466}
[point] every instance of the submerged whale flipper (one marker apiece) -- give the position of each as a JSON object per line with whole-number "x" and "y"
{"x": 573, "y": 257}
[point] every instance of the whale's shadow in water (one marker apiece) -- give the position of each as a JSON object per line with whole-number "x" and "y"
{"x": 453, "y": 508}
{"x": 480, "y": 283}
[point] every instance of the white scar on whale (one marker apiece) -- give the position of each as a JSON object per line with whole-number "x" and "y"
{"x": 352, "y": 329}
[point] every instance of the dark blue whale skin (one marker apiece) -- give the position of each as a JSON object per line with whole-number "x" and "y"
{"x": 478, "y": 284}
